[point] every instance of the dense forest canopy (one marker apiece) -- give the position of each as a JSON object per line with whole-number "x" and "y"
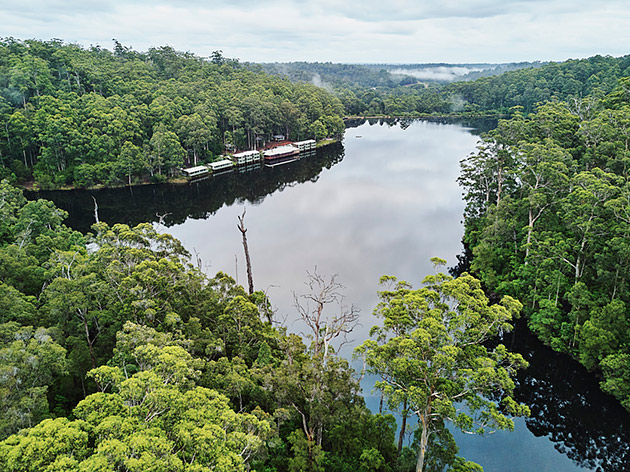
{"x": 80, "y": 117}
{"x": 75, "y": 116}
{"x": 118, "y": 354}
{"x": 328, "y": 74}
{"x": 373, "y": 90}
{"x": 547, "y": 221}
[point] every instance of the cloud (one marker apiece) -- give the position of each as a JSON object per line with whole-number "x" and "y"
{"x": 397, "y": 31}
{"x": 437, "y": 73}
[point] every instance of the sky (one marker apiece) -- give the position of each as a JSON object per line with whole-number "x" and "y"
{"x": 349, "y": 31}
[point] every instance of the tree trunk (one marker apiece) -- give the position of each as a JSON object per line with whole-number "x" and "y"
{"x": 424, "y": 439}
{"x": 95, "y": 210}
{"x": 499, "y": 185}
{"x": 530, "y": 229}
{"x": 243, "y": 230}
{"x": 89, "y": 339}
{"x": 403, "y": 427}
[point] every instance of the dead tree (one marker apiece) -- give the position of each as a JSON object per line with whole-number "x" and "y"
{"x": 325, "y": 329}
{"x": 243, "y": 230}
{"x": 95, "y": 210}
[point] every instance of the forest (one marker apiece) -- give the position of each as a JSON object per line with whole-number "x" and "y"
{"x": 118, "y": 353}
{"x": 80, "y": 117}
{"x": 547, "y": 222}
{"x": 372, "y": 91}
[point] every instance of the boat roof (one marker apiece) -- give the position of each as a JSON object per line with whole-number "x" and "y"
{"x": 245, "y": 153}
{"x": 194, "y": 169}
{"x": 222, "y": 161}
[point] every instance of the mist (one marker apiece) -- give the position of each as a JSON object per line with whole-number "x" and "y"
{"x": 438, "y": 73}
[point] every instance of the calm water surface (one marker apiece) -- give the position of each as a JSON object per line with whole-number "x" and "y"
{"x": 383, "y": 202}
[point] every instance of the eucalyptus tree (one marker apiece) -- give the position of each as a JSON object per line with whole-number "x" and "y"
{"x": 431, "y": 353}
{"x": 157, "y": 419}
{"x": 29, "y": 361}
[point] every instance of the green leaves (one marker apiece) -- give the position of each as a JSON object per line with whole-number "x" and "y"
{"x": 29, "y": 360}
{"x": 432, "y": 359}
{"x": 157, "y": 420}
{"x": 105, "y": 119}
{"x": 558, "y": 241}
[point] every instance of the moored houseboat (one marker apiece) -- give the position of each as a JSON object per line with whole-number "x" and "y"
{"x": 221, "y": 166}
{"x": 287, "y": 150}
{"x": 246, "y": 157}
{"x": 196, "y": 172}
{"x": 307, "y": 145}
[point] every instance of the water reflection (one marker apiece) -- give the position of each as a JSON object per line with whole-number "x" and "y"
{"x": 568, "y": 406}
{"x": 389, "y": 203}
{"x": 174, "y": 204}
{"x": 476, "y": 126}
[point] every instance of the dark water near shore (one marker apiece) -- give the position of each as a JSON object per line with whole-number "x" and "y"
{"x": 382, "y": 202}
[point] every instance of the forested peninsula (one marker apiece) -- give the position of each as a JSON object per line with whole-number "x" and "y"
{"x": 118, "y": 353}
{"x": 79, "y": 117}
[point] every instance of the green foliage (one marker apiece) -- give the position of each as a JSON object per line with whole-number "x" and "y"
{"x": 431, "y": 356}
{"x": 149, "y": 425}
{"x": 136, "y": 346}
{"x": 29, "y": 360}
{"x": 88, "y": 116}
{"x": 373, "y": 90}
{"x": 556, "y": 234}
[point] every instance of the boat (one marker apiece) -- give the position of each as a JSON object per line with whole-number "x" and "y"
{"x": 221, "y": 166}
{"x": 287, "y": 150}
{"x": 246, "y": 157}
{"x": 196, "y": 172}
{"x": 308, "y": 145}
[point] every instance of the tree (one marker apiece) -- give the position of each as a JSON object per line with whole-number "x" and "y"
{"x": 166, "y": 151}
{"x": 543, "y": 177}
{"x": 324, "y": 328}
{"x": 156, "y": 420}
{"x": 194, "y": 133}
{"x": 314, "y": 382}
{"x": 318, "y": 130}
{"x": 29, "y": 360}
{"x": 431, "y": 353}
{"x": 130, "y": 160}
{"x": 243, "y": 230}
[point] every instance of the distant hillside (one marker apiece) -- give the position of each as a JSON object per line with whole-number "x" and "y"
{"x": 419, "y": 89}
{"x": 327, "y": 74}
{"x": 455, "y": 72}
{"x": 527, "y": 87}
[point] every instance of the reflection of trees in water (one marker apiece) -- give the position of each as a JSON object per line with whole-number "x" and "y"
{"x": 476, "y": 126}
{"x": 173, "y": 204}
{"x": 567, "y": 405}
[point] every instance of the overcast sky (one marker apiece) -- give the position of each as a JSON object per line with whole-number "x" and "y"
{"x": 392, "y": 31}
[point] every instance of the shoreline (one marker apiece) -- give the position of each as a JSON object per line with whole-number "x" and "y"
{"x": 30, "y": 186}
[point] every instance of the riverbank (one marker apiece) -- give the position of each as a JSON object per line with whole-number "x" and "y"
{"x": 32, "y": 186}
{"x": 429, "y": 116}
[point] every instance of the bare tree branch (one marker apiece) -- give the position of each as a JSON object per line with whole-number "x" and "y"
{"x": 243, "y": 230}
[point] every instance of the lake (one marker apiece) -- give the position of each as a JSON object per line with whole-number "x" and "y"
{"x": 384, "y": 201}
